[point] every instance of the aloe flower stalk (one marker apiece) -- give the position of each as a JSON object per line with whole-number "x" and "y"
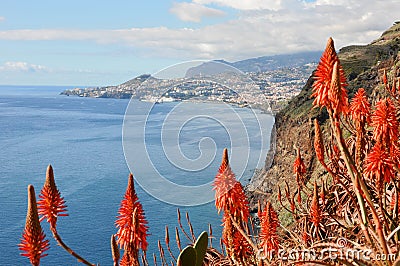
{"x": 360, "y": 107}
{"x": 337, "y": 93}
{"x": 299, "y": 168}
{"x": 319, "y": 144}
{"x": 315, "y": 209}
{"x": 385, "y": 123}
{"x": 360, "y": 110}
{"x": 333, "y": 98}
{"x": 241, "y": 247}
{"x": 379, "y": 166}
{"x": 33, "y": 243}
{"x": 51, "y": 204}
{"x": 230, "y": 198}
{"x": 384, "y": 77}
{"x": 132, "y": 225}
{"x": 269, "y": 223}
{"x": 229, "y": 194}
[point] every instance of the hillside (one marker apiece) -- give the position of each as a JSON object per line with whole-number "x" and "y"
{"x": 256, "y": 65}
{"x": 363, "y": 66}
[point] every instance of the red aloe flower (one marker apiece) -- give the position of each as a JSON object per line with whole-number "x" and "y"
{"x": 384, "y": 77}
{"x": 360, "y": 110}
{"x": 224, "y": 162}
{"x": 319, "y": 143}
{"x": 128, "y": 260}
{"x": 241, "y": 248}
{"x": 269, "y": 223}
{"x": 131, "y": 221}
{"x": 292, "y": 204}
{"x": 385, "y": 123}
{"x": 360, "y": 107}
{"x": 315, "y": 210}
{"x": 51, "y": 204}
{"x": 379, "y": 166}
{"x": 323, "y": 81}
{"x": 337, "y": 93}
{"x": 298, "y": 167}
{"x": 229, "y": 194}
{"x": 299, "y": 195}
{"x": 33, "y": 243}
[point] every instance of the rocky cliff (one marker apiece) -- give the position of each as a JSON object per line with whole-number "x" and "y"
{"x": 293, "y": 129}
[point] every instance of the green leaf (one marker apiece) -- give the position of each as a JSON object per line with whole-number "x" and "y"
{"x": 187, "y": 257}
{"x": 201, "y": 248}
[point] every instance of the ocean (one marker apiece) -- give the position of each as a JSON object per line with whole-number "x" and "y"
{"x": 84, "y": 139}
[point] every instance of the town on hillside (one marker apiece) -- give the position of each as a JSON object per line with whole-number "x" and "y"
{"x": 268, "y": 90}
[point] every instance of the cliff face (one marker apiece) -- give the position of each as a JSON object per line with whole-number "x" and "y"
{"x": 363, "y": 66}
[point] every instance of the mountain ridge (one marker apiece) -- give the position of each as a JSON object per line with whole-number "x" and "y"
{"x": 261, "y": 63}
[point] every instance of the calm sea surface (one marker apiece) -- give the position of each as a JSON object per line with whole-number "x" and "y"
{"x": 82, "y": 139}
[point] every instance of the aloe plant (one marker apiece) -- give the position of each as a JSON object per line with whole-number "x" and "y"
{"x": 194, "y": 255}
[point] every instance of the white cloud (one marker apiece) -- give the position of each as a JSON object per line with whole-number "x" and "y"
{"x": 2, "y": 18}
{"x": 244, "y": 4}
{"x": 296, "y": 26}
{"x": 194, "y": 12}
{"x": 22, "y": 66}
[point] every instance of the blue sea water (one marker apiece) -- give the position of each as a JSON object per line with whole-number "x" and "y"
{"x": 82, "y": 139}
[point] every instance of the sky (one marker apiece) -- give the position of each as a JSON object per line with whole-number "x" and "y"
{"x": 102, "y": 42}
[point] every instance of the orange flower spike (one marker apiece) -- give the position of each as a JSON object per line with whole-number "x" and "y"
{"x": 131, "y": 222}
{"x": 360, "y": 108}
{"x": 305, "y": 237}
{"x": 240, "y": 203}
{"x": 51, "y": 205}
{"x": 224, "y": 162}
{"x": 223, "y": 185}
{"x": 379, "y": 165}
{"x": 299, "y": 196}
{"x": 337, "y": 93}
{"x": 241, "y": 248}
{"x": 385, "y": 123}
{"x": 292, "y": 204}
{"x": 323, "y": 76}
{"x": 384, "y": 77}
{"x": 229, "y": 194}
{"x": 315, "y": 210}
{"x": 319, "y": 143}
{"x": 298, "y": 167}
{"x": 33, "y": 243}
{"x": 322, "y": 194}
{"x": 269, "y": 223}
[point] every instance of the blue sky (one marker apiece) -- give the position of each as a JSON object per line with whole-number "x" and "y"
{"x": 102, "y": 42}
